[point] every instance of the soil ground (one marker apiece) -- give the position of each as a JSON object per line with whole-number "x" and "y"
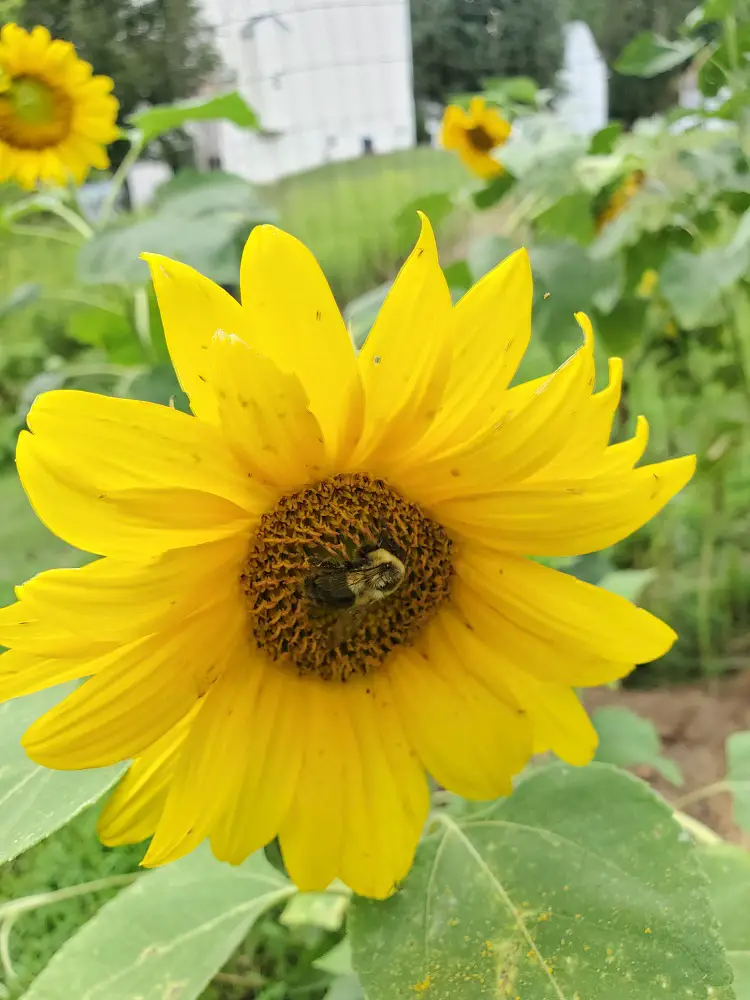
{"x": 693, "y": 721}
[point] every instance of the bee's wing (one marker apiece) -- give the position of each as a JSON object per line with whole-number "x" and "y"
{"x": 329, "y": 587}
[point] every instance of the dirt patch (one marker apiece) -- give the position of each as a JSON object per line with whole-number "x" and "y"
{"x": 693, "y": 721}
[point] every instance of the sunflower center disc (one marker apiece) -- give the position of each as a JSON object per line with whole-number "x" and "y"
{"x": 33, "y": 115}
{"x": 480, "y": 139}
{"x": 326, "y": 528}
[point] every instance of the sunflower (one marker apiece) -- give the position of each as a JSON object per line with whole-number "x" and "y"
{"x": 620, "y": 198}
{"x": 474, "y": 134}
{"x": 317, "y": 588}
{"x": 55, "y": 117}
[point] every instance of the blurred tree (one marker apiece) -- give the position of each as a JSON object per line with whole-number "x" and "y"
{"x": 156, "y": 51}
{"x": 614, "y": 25}
{"x": 458, "y": 42}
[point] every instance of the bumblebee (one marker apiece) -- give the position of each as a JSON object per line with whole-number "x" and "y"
{"x": 352, "y": 586}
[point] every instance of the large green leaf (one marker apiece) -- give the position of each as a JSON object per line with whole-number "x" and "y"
{"x": 164, "y": 937}
{"x": 728, "y": 870}
{"x": 649, "y": 54}
{"x": 694, "y": 283}
{"x": 629, "y": 740}
{"x": 738, "y": 775}
{"x": 580, "y": 885}
{"x": 35, "y": 801}
{"x": 153, "y": 122}
{"x": 201, "y": 221}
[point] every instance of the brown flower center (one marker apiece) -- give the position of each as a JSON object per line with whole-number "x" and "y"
{"x": 341, "y": 573}
{"x": 33, "y": 114}
{"x": 480, "y": 139}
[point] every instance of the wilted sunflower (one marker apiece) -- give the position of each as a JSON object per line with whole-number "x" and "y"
{"x": 317, "y": 588}
{"x": 474, "y": 134}
{"x": 55, "y": 117}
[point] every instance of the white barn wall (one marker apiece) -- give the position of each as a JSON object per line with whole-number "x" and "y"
{"x": 323, "y": 75}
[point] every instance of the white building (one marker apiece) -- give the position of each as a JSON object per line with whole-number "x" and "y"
{"x": 329, "y": 80}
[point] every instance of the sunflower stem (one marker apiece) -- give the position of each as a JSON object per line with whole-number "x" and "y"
{"x": 119, "y": 178}
{"x": 74, "y": 220}
{"x": 702, "y": 793}
{"x": 44, "y": 232}
{"x": 14, "y": 907}
{"x": 703, "y": 834}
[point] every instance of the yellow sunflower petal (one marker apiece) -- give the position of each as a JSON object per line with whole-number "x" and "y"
{"x": 558, "y": 720}
{"x": 404, "y": 361}
{"x": 192, "y": 309}
{"x": 478, "y": 162}
{"x": 549, "y": 659}
{"x": 137, "y": 694}
{"x": 122, "y": 522}
{"x": 134, "y": 808}
{"x": 467, "y": 737}
{"x": 568, "y": 517}
{"x": 490, "y": 329}
{"x": 265, "y": 416}
{"x": 520, "y": 443}
{"x": 276, "y": 721}
{"x": 131, "y": 444}
{"x": 113, "y": 601}
{"x": 24, "y": 673}
{"x": 293, "y": 319}
{"x": 565, "y": 611}
{"x": 22, "y": 629}
{"x": 361, "y": 777}
{"x": 209, "y": 771}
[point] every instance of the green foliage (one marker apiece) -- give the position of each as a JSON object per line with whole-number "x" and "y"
{"x": 728, "y": 871}
{"x": 548, "y": 894}
{"x": 170, "y": 931}
{"x": 738, "y": 776}
{"x": 202, "y": 219}
{"x": 615, "y": 26}
{"x": 650, "y": 55}
{"x": 155, "y": 121}
{"x": 37, "y": 801}
{"x": 457, "y": 45}
{"x": 629, "y": 740}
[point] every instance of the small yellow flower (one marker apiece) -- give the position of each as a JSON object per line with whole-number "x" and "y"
{"x": 647, "y": 284}
{"x": 474, "y": 134}
{"x": 55, "y": 117}
{"x": 630, "y": 186}
{"x": 317, "y": 589}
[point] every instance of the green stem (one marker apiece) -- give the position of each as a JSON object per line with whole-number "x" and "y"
{"x": 702, "y": 793}
{"x": 120, "y": 176}
{"x": 11, "y": 909}
{"x": 708, "y": 545}
{"x": 43, "y": 232}
{"x": 702, "y": 833}
{"x": 74, "y": 220}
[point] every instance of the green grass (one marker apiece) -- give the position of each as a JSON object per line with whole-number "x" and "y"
{"x": 345, "y": 212}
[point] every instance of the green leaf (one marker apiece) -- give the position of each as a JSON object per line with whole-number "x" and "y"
{"x": 346, "y": 988}
{"x": 360, "y": 313}
{"x": 629, "y": 740}
{"x": 108, "y": 330}
{"x": 712, "y": 75}
{"x": 621, "y": 328}
{"x": 37, "y": 801}
{"x": 503, "y": 90}
{"x": 494, "y": 190}
{"x": 728, "y": 871}
{"x": 569, "y": 217}
{"x": 160, "y": 385}
{"x": 629, "y": 583}
{"x": 738, "y": 775}
{"x": 21, "y": 296}
{"x": 164, "y": 937}
{"x": 486, "y": 253}
{"x": 604, "y": 140}
{"x": 316, "y": 909}
{"x": 693, "y": 283}
{"x": 649, "y": 54}
{"x": 337, "y": 961}
{"x": 202, "y": 221}
{"x": 581, "y": 884}
{"x": 436, "y": 206}
{"x": 162, "y": 118}
{"x": 458, "y": 276}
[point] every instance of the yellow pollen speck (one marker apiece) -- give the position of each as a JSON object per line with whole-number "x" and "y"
{"x": 565, "y": 888}
{"x": 647, "y": 930}
{"x": 547, "y": 295}
{"x": 579, "y": 916}
{"x": 587, "y": 947}
{"x": 423, "y": 986}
